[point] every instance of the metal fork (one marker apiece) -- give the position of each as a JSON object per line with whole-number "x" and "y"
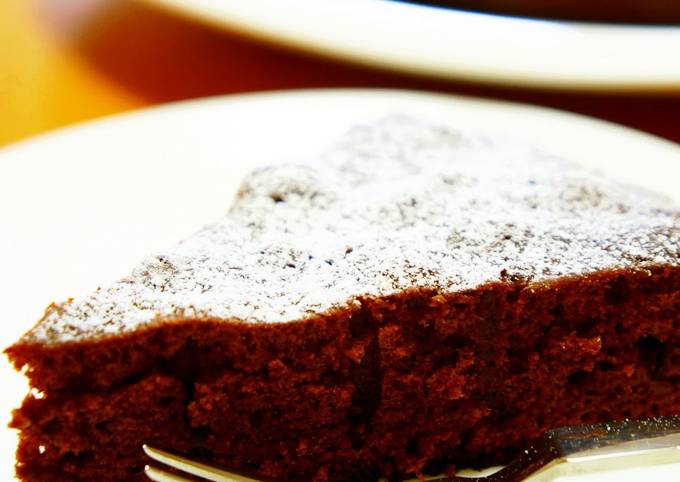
{"x": 559, "y": 452}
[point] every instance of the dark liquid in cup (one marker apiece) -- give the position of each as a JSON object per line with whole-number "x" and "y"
{"x": 620, "y": 11}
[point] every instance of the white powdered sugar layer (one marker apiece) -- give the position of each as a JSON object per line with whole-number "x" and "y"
{"x": 394, "y": 206}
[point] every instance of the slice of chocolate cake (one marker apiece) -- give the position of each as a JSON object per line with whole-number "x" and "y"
{"x": 416, "y": 300}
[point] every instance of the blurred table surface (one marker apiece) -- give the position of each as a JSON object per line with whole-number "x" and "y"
{"x": 64, "y": 61}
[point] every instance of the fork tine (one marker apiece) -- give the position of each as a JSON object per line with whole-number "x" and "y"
{"x": 191, "y": 467}
{"x": 158, "y": 475}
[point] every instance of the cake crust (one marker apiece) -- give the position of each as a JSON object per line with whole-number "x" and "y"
{"x": 395, "y": 206}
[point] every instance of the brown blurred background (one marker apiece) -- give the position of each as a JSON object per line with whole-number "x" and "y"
{"x": 63, "y": 61}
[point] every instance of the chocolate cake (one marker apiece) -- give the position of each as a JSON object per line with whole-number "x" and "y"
{"x": 628, "y": 11}
{"x": 417, "y": 300}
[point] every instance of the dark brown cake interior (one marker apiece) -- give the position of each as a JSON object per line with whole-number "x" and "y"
{"x": 400, "y": 386}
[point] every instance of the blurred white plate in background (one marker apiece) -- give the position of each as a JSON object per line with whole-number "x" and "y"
{"x": 78, "y": 207}
{"x": 454, "y": 44}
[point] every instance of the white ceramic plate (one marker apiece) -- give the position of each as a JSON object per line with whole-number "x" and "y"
{"x": 456, "y": 44}
{"x": 79, "y": 206}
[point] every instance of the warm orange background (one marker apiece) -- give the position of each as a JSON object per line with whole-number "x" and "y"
{"x": 63, "y": 61}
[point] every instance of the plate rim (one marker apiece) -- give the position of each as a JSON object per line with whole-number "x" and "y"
{"x": 263, "y": 96}
{"x": 283, "y": 30}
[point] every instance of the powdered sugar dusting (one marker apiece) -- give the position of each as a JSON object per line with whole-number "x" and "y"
{"x": 394, "y": 206}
